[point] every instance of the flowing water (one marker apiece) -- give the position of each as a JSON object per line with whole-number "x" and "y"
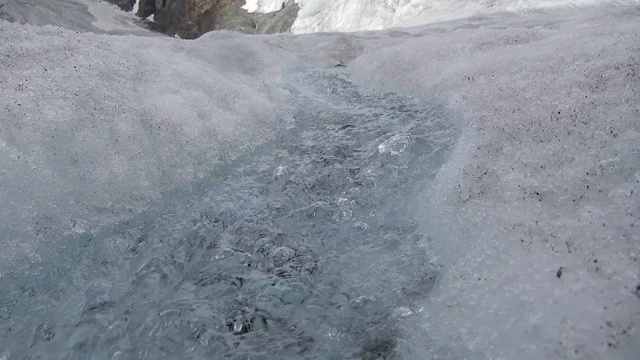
{"x": 306, "y": 248}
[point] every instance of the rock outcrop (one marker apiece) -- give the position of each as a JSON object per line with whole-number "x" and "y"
{"x": 190, "y": 19}
{"x": 126, "y": 5}
{"x": 146, "y": 8}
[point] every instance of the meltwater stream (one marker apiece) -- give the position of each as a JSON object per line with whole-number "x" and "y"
{"x": 306, "y": 248}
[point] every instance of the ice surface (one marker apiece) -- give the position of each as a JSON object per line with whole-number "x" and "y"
{"x": 264, "y": 6}
{"x": 278, "y": 253}
{"x": 536, "y": 211}
{"x": 144, "y": 176}
{"x": 110, "y": 19}
{"x": 80, "y": 15}
{"x": 358, "y": 15}
{"x": 92, "y": 124}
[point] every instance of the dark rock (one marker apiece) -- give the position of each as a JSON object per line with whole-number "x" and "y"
{"x": 146, "y": 8}
{"x": 126, "y": 5}
{"x": 190, "y": 19}
{"x": 559, "y": 272}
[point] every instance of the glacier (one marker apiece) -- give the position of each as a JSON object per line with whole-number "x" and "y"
{"x": 465, "y": 189}
{"x": 359, "y": 15}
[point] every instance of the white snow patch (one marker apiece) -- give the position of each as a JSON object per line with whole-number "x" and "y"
{"x": 264, "y": 6}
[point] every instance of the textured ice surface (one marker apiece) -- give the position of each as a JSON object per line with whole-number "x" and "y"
{"x": 536, "y": 211}
{"x": 143, "y": 183}
{"x": 96, "y": 128}
{"x": 296, "y": 250}
{"x": 358, "y": 15}
{"x": 80, "y": 15}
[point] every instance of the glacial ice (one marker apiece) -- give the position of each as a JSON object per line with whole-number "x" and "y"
{"x": 358, "y": 15}
{"x": 78, "y": 15}
{"x": 465, "y": 189}
{"x": 264, "y": 6}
